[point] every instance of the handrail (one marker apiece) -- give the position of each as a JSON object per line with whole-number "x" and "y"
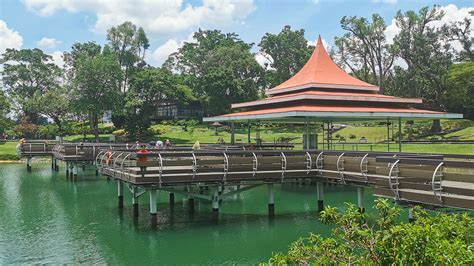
{"x": 320, "y": 163}
{"x": 283, "y": 165}
{"x": 394, "y": 186}
{"x": 436, "y": 185}
{"x": 226, "y": 166}
{"x": 254, "y": 164}
{"x": 309, "y": 163}
{"x": 340, "y": 167}
{"x": 364, "y": 166}
{"x": 195, "y": 165}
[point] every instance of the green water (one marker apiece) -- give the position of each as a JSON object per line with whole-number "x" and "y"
{"x": 46, "y": 219}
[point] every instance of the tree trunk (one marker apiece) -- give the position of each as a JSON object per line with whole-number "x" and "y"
{"x": 436, "y": 126}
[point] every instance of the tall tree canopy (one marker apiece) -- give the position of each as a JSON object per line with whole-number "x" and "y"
{"x": 5, "y": 122}
{"x": 26, "y": 73}
{"x": 364, "y": 49}
{"x": 427, "y": 54}
{"x": 459, "y": 96}
{"x": 287, "y": 52}
{"x": 130, "y": 43}
{"x": 148, "y": 89}
{"x": 96, "y": 86}
{"x": 219, "y": 68}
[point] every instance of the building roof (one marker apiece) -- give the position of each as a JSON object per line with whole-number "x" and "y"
{"x": 323, "y": 90}
{"x": 328, "y": 96}
{"x": 320, "y": 71}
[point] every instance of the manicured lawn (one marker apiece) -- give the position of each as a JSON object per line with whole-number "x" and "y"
{"x": 8, "y": 150}
{"x": 464, "y": 134}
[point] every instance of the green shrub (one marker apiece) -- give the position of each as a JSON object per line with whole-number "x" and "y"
{"x": 360, "y": 239}
{"x": 9, "y": 157}
{"x": 352, "y": 136}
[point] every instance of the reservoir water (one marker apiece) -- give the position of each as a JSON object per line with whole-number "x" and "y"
{"x": 46, "y": 219}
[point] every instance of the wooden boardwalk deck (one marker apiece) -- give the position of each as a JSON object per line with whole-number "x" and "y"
{"x": 412, "y": 178}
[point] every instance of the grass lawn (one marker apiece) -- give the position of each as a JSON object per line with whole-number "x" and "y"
{"x": 464, "y": 134}
{"x": 8, "y": 150}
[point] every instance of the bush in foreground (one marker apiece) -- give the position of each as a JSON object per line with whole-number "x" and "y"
{"x": 362, "y": 239}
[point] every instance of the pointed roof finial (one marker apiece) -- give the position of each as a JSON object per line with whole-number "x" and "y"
{"x": 321, "y": 72}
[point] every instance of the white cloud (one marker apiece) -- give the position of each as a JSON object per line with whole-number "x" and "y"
{"x": 263, "y": 61}
{"x": 315, "y": 2}
{"x": 452, "y": 14}
{"x": 9, "y": 38}
{"x": 47, "y": 42}
{"x": 161, "y": 53}
{"x": 58, "y": 58}
{"x": 155, "y": 16}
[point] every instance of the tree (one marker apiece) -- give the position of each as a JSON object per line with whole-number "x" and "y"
{"x": 149, "y": 88}
{"x": 459, "y": 96}
{"x": 219, "y": 68}
{"x": 364, "y": 49}
{"x": 55, "y": 103}
{"x": 79, "y": 51}
{"x": 461, "y": 31}
{"x": 28, "y": 72}
{"x": 130, "y": 43}
{"x": 96, "y": 86}
{"x": 360, "y": 239}
{"x": 427, "y": 53}
{"x": 5, "y": 122}
{"x": 288, "y": 51}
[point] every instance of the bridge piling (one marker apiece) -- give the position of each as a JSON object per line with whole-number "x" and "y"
{"x": 67, "y": 170}
{"x": 56, "y": 165}
{"x": 28, "y": 163}
{"x": 135, "y": 201}
{"x": 410, "y": 215}
{"x": 360, "y": 199}
{"x": 171, "y": 196}
{"x": 319, "y": 189}
{"x": 153, "y": 210}
{"x": 271, "y": 201}
{"x": 74, "y": 171}
{"x": 52, "y": 162}
{"x": 120, "y": 194}
{"x": 215, "y": 204}
{"x": 190, "y": 200}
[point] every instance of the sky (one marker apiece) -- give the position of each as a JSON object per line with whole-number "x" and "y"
{"x": 54, "y": 25}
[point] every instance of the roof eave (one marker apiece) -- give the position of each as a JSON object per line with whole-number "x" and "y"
{"x": 277, "y": 90}
{"x": 333, "y": 114}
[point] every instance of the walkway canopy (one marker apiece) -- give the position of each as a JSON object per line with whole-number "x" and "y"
{"x": 321, "y": 91}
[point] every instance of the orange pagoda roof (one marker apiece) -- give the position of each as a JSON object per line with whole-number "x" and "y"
{"x": 320, "y": 71}
{"x": 321, "y": 90}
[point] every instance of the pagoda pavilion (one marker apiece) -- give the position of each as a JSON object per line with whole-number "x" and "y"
{"x": 321, "y": 91}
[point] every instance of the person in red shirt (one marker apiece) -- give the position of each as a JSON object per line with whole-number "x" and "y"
{"x": 143, "y": 151}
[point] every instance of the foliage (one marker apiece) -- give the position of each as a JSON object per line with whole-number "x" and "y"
{"x": 26, "y": 73}
{"x": 48, "y": 131}
{"x": 459, "y": 96}
{"x": 148, "y": 89}
{"x": 27, "y": 129}
{"x": 219, "y": 68}
{"x": 96, "y": 86}
{"x": 55, "y": 103}
{"x": 364, "y": 49}
{"x": 287, "y": 52}
{"x": 5, "y": 122}
{"x": 119, "y": 132}
{"x": 360, "y": 239}
{"x": 130, "y": 43}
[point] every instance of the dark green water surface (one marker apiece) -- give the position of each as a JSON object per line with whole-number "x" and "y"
{"x": 46, "y": 219}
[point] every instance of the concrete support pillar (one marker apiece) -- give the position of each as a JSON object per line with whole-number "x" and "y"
{"x": 56, "y": 165}
{"x": 29, "y": 163}
{"x": 319, "y": 188}
{"x": 215, "y": 204}
{"x": 271, "y": 201}
{"x": 52, "y": 163}
{"x": 220, "y": 191}
{"x": 360, "y": 199}
{"x": 120, "y": 194}
{"x": 232, "y": 133}
{"x": 135, "y": 201}
{"x": 67, "y": 170}
{"x": 70, "y": 171}
{"x": 171, "y": 195}
{"x": 190, "y": 201}
{"x": 96, "y": 171}
{"x": 411, "y": 219}
{"x": 153, "y": 209}
{"x": 74, "y": 171}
